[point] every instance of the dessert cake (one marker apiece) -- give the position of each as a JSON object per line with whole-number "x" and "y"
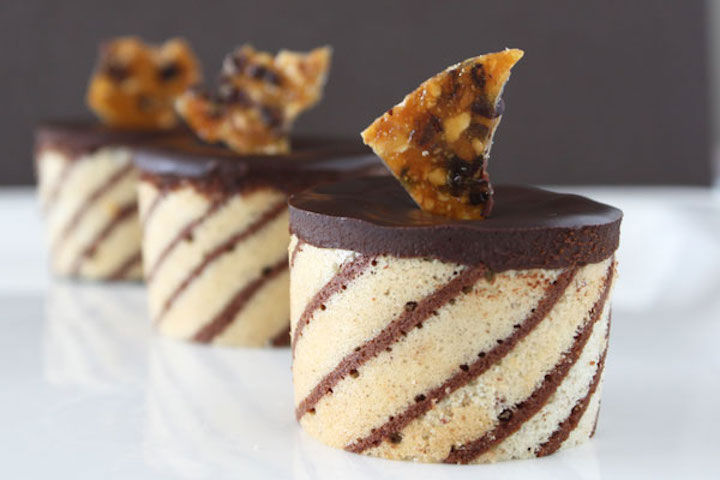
{"x": 417, "y": 337}
{"x": 87, "y": 187}
{"x": 86, "y": 180}
{"x": 467, "y": 337}
{"x": 215, "y": 219}
{"x": 216, "y": 234}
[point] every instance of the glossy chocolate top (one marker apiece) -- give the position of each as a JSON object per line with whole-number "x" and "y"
{"x": 77, "y": 137}
{"x": 529, "y": 227}
{"x": 185, "y": 159}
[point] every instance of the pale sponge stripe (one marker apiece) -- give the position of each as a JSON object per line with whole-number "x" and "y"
{"x": 451, "y": 339}
{"x": 368, "y": 304}
{"x": 194, "y": 293}
{"x": 170, "y": 215}
{"x": 83, "y": 198}
{"x": 537, "y": 430}
{"x": 235, "y": 216}
{"x": 421, "y": 359}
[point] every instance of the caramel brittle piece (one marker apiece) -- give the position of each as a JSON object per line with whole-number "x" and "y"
{"x": 291, "y": 81}
{"x": 437, "y": 140}
{"x": 259, "y": 97}
{"x": 135, "y": 85}
{"x": 230, "y": 117}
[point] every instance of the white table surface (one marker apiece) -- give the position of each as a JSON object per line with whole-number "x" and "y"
{"x": 87, "y": 392}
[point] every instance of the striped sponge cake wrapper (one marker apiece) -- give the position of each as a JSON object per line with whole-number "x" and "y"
{"x": 216, "y": 264}
{"x": 91, "y": 214}
{"x": 416, "y": 359}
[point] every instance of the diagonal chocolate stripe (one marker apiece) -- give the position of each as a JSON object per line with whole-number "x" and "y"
{"x": 225, "y": 247}
{"x": 94, "y": 196}
{"x": 185, "y": 233}
{"x": 347, "y": 273}
{"x": 552, "y": 444}
{"x": 298, "y": 248}
{"x": 124, "y": 268}
{"x": 595, "y": 424}
{"x": 225, "y": 317}
{"x": 282, "y": 339}
{"x": 466, "y": 373}
{"x": 526, "y": 409}
{"x": 56, "y": 188}
{"x": 124, "y": 213}
{"x": 159, "y": 197}
{"x": 410, "y": 318}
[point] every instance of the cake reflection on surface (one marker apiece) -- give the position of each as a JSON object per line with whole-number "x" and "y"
{"x": 95, "y": 336}
{"x": 312, "y": 460}
{"x": 205, "y": 407}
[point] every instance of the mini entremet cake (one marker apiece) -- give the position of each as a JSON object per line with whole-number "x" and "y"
{"x": 216, "y": 234}
{"x": 88, "y": 187}
{"x": 419, "y": 337}
{"x": 86, "y": 180}
{"x": 453, "y": 322}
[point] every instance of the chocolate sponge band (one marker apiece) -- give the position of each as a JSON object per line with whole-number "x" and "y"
{"x": 529, "y": 228}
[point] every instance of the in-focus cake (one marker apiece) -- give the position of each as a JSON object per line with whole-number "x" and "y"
{"x": 420, "y": 338}
{"x": 472, "y": 329}
{"x": 216, "y": 234}
{"x": 86, "y": 180}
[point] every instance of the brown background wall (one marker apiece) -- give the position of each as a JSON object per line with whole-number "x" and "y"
{"x": 609, "y": 91}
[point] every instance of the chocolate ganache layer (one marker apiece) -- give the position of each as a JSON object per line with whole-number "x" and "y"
{"x": 77, "y": 137}
{"x": 182, "y": 160}
{"x": 529, "y": 227}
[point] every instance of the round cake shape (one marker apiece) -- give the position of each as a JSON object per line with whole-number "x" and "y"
{"x": 421, "y": 338}
{"x": 87, "y": 187}
{"x": 216, "y": 234}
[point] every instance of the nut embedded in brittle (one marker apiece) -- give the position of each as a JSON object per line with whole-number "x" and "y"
{"x": 258, "y": 99}
{"x": 135, "y": 85}
{"x": 437, "y": 140}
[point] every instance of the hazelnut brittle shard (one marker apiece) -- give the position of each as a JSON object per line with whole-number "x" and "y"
{"x": 437, "y": 140}
{"x": 258, "y": 98}
{"x": 135, "y": 85}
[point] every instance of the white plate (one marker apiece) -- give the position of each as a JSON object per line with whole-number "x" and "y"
{"x": 89, "y": 393}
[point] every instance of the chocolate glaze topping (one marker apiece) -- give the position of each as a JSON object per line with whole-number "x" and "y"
{"x": 182, "y": 160}
{"x": 77, "y": 137}
{"x": 529, "y": 227}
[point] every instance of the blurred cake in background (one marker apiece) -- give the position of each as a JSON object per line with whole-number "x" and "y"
{"x": 215, "y": 219}
{"x": 86, "y": 180}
